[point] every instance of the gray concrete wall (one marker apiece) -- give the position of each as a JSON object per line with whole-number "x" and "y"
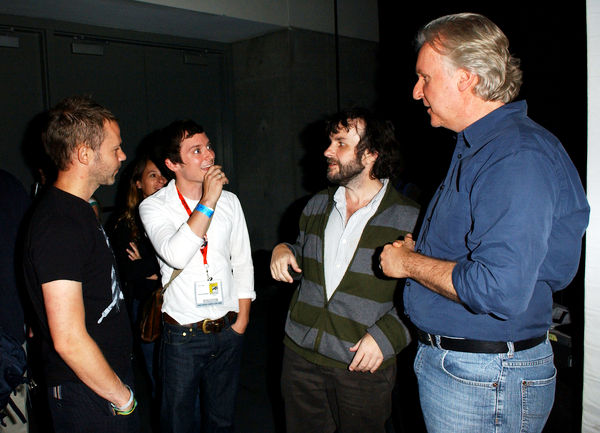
{"x": 284, "y": 84}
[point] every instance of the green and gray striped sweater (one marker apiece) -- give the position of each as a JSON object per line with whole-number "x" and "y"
{"x": 322, "y": 331}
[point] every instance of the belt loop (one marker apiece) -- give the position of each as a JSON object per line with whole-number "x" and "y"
{"x": 511, "y": 349}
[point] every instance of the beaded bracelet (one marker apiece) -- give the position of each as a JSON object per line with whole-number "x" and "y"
{"x": 205, "y": 210}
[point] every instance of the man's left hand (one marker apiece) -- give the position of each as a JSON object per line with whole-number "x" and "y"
{"x": 368, "y": 355}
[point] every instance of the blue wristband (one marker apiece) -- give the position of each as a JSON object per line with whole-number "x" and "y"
{"x": 205, "y": 210}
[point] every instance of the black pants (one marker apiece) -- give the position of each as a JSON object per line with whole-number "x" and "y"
{"x": 75, "y": 408}
{"x": 323, "y": 399}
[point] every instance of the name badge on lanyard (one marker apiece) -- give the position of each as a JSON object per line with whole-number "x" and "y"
{"x": 209, "y": 292}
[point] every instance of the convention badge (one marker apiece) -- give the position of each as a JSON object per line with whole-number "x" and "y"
{"x": 208, "y": 292}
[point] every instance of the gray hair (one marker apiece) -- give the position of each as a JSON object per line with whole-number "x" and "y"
{"x": 473, "y": 42}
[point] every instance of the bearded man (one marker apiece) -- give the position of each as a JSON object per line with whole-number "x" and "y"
{"x": 342, "y": 330}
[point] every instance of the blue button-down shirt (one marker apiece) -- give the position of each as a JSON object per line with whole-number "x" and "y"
{"x": 511, "y": 213}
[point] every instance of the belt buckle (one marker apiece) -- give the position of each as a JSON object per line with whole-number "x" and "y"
{"x": 205, "y": 322}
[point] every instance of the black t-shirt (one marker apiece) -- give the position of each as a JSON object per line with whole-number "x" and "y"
{"x": 64, "y": 241}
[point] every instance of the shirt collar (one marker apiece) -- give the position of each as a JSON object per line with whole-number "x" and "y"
{"x": 485, "y": 129}
{"x": 340, "y": 196}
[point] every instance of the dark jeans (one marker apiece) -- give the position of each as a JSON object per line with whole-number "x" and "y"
{"x": 325, "y": 399}
{"x": 75, "y": 408}
{"x": 201, "y": 366}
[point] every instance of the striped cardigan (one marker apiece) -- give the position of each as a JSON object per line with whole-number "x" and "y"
{"x": 322, "y": 331}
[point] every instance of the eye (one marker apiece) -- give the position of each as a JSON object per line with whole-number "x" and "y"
{"x": 208, "y": 146}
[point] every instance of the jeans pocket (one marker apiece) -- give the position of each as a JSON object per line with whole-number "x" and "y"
{"x": 537, "y": 399}
{"x": 71, "y": 396}
{"x": 234, "y": 332}
{"x": 480, "y": 370}
{"x": 176, "y": 335}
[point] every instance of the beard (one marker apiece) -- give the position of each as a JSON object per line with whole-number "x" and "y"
{"x": 103, "y": 173}
{"x": 346, "y": 172}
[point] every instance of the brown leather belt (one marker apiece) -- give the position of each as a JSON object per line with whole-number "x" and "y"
{"x": 207, "y": 326}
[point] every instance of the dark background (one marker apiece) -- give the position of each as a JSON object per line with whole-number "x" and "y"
{"x": 262, "y": 101}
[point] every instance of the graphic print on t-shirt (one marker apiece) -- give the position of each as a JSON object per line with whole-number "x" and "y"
{"x": 117, "y": 295}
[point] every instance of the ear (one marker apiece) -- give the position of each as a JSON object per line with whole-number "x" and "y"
{"x": 171, "y": 165}
{"x": 466, "y": 79}
{"x": 370, "y": 156}
{"x": 84, "y": 154}
{"x": 138, "y": 184}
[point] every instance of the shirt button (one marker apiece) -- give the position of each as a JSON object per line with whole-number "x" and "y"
{"x": 459, "y": 155}
{"x": 419, "y": 250}
{"x": 407, "y": 284}
{"x": 428, "y": 219}
{"x": 441, "y": 187}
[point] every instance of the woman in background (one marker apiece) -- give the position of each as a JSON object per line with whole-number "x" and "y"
{"x": 136, "y": 258}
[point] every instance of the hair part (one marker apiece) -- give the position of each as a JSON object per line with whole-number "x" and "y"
{"x": 169, "y": 146}
{"x": 376, "y": 136}
{"x": 473, "y": 42}
{"x": 73, "y": 121}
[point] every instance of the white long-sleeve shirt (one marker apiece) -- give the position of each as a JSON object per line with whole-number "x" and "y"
{"x": 229, "y": 254}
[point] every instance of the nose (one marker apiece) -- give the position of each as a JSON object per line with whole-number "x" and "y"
{"x": 329, "y": 151}
{"x": 162, "y": 180}
{"x": 122, "y": 156}
{"x": 418, "y": 89}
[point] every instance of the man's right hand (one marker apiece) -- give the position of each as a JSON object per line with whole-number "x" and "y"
{"x": 281, "y": 258}
{"x": 213, "y": 186}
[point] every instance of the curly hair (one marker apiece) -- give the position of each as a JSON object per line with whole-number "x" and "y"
{"x": 376, "y": 135}
{"x": 473, "y": 42}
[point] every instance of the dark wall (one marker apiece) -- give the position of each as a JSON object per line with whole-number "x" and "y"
{"x": 146, "y": 80}
{"x": 285, "y": 83}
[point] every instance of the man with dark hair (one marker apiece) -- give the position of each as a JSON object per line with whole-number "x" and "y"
{"x": 199, "y": 229}
{"x": 501, "y": 235}
{"x": 71, "y": 278}
{"x": 343, "y": 331}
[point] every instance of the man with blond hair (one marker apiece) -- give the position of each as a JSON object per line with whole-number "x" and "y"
{"x": 71, "y": 277}
{"x": 501, "y": 235}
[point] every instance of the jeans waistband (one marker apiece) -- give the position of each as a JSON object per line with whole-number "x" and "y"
{"x": 477, "y": 346}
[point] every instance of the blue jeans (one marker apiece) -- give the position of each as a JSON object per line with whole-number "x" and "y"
{"x": 478, "y": 392}
{"x": 193, "y": 366}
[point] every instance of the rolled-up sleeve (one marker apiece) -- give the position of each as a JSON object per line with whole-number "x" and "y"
{"x": 512, "y": 207}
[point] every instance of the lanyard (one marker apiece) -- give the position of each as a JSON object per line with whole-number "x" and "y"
{"x": 204, "y": 248}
